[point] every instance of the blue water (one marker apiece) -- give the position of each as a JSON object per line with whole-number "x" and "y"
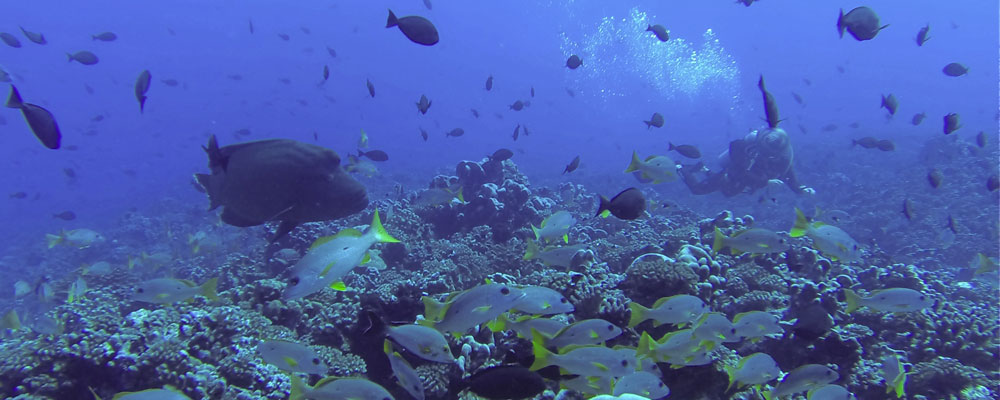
{"x": 703, "y": 81}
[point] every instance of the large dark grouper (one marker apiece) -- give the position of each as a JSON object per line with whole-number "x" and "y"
{"x": 279, "y": 180}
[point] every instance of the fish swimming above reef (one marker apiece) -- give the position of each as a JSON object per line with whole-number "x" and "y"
{"x": 574, "y": 62}
{"x": 79, "y": 238}
{"x": 468, "y": 308}
{"x": 801, "y": 379}
{"x": 333, "y": 387}
{"x": 889, "y": 300}
{"x": 279, "y": 180}
{"x": 628, "y": 204}
{"x": 555, "y": 227}
{"x": 656, "y": 120}
{"x": 753, "y": 240}
{"x": 830, "y": 240}
{"x": 169, "y": 290}
{"x": 292, "y": 357}
{"x": 659, "y": 31}
{"x": 330, "y": 258}
{"x": 658, "y": 168}
{"x": 141, "y": 87}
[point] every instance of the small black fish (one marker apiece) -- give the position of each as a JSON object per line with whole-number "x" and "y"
{"x": 104, "y": 37}
{"x": 907, "y": 209}
{"x": 35, "y": 37}
{"x": 305, "y": 30}
{"x": 573, "y": 165}
{"x": 10, "y": 40}
{"x": 656, "y": 120}
{"x": 326, "y": 73}
{"x": 331, "y": 51}
{"x": 427, "y": 3}
{"x": 170, "y": 82}
{"x": 517, "y": 106}
{"x": 98, "y": 118}
{"x": 981, "y": 139}
{"x": 951, "y": 225}
{"x": 770, "y": 105}
{"x": 315, "y": 136}
{"x": 235, "y": 77}
{"x": 418, "y": 29}
{"x": 935, "y": 177}
{"x": 574, "y": 62}
{"x": 374, "y": 155}
{"x": 65, "y": 215}
{"x": 284, "y": 36}
{"x": 489, "y": 83}
{"x": 951, "y": 123}
{"x": 890, "y": 103}
{"x": 922, "y": 35}
{"x": 526, "y": 133}
{"x": 918, "y": 118}
{"x": 867, "y": 142}
{"x": 854, "y": 125}
{"x": 501, "y": 155}
{"x": 503, "y": 382}
{"x": 659, "y": 31}
{"x": 629, "y": 204}
{"x": 19, "y": 195}
{"x": 829, "y": 127}
{"x": 475, "y": 113}
{"x": 423, "y": 134}
{"x": 517, "y": 130}
{"x": 992, "y": 183}
{"x": 423, "y": 104}
{"x": 40, "y": 120}
{"x": 371, "y": 87}
{"x": 250, "y": 24}
{"x": 455, "y": 132}
{"x": 798, "y": 99}
{"x": 685, "y": 150}
{"x": 70, "y": 173}
{"x": 955, "y": 69}
{"x": 141, "y": 87}
{"x": 570, "y": 92}
{"x": 861, "y": 22}
{"x": 532, "y": 91}
{"x": 83, "y": 57}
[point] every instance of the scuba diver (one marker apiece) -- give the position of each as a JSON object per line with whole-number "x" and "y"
{"x": 762, "y": 157}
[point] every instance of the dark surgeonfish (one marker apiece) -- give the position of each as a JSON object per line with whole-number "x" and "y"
{"x": 83, "y": 57}
{"x": 659, "y": 31}
{"x": 573, "y": 165}
{"x": 685, "y": 150}
{"x": 141, "y": 87}
{"x": 35, "y": 37}
{"x": 629, "y": 204}
{"x": 918, "y": 118}
{"x": 374, "y": 155}
{"x": 955, "y": 69}
{"x": 40, "y": 120}
{"x": 423, "y": 104}
{"x": 861, "y": 22}
{"x": 489, "y": 83}
{"x": 279, "y": 180}
{"x": 770, "y": 106}
{"x": 890, "y": 103}
{"x": 922, "y": 35}
{"x": 951, "y": 123}
{"x": 656, "y": 120}
{"x": 371, "y": 87}
{"x": 10, "y": 40}
{"x": 416, "y": 28}
{"x": 574, "y": 62}
{"x": 105, "y": 36}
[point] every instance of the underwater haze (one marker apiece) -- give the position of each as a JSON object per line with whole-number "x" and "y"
{"x": 685, "y": 199}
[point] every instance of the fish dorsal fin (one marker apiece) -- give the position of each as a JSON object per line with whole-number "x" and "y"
{"x": 663, "y": 300}
{"x": 349, "y": 232}
{"x": 188, "y": 282}
{"x": 321, "y": 241}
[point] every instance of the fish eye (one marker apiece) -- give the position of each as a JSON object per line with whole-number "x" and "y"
{"x": 563, "y": 300}
{"x": 922, "y": 298}
{"x": 624, "y": 363}
{"x": 315, "y": 361}
{"x": 295, "y": 281}
{"x": 505, "y": 291}
{"x": 140, "y": 290}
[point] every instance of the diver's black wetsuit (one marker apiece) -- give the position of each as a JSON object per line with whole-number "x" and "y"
{"x": 748, "y": 165}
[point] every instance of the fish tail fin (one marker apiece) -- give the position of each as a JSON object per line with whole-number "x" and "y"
{"x": 432, "y": 308}
{"x": 14, "y": 100}
{"x": 719, "y": 241}
{"x": 645, "y": 346}
{"x": 298, "y": 388}
{"x": 142, "y": 103}
{"x": 769, "y": 395}
{"x": 635, "y": 164}
{"x": 898, "y": 385}
{"x": 361, "y": 153}
{"x": 458, "y": 195}
{"x": 96, "y": 397}
{"x": 883, "y": 27}
{"x": 649, "y": 124}
{"x": 730, "y": 372}
{"x": 840, "y": 24}
{"x": 53, "y": 240}
{"x": 380, "y": 233}
{"x": 985, "y": 264}
{"x": 853, "y": 300}
{"x": 499, "y": 324}
{"x": 638, "y": 314}
{"x": 604, "y": 207}
{"x": 537, "y": 233}
{"x": 542, "y": 355}
{"x": 208, "y": 289}
{"x": 69, "y": 57}
{"x": 532, "y": 251}
{"x": 801, "y": 224}
{"x": 670, "y": 146}
{"x": 391, "y": 21}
